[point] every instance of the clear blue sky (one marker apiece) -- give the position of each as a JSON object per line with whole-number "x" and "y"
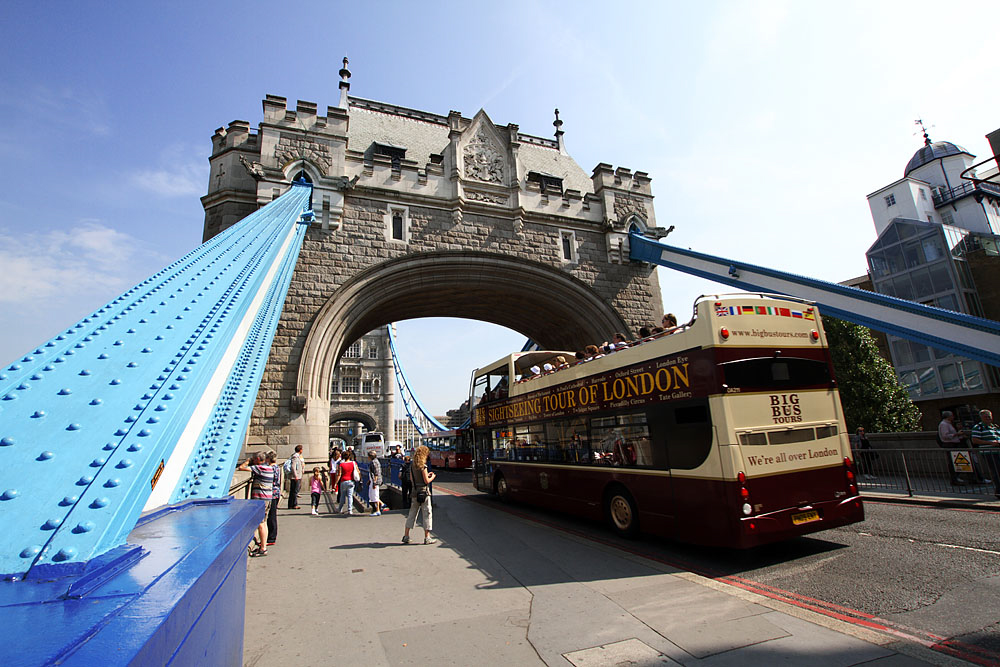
{"x": 762, "y": 124}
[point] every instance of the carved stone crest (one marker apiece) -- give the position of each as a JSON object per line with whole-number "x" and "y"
{"x": 294, "y": 148}
{"x": 482, "y": 158}
{"x": 626, "y": 205}
{"x": 486, "y": 197}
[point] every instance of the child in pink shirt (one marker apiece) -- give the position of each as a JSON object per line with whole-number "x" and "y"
{"x": 316, "y": 487}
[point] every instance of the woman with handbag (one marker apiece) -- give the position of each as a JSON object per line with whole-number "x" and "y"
{"x": 422, "y": 479}
{"x": 347, "y": 475}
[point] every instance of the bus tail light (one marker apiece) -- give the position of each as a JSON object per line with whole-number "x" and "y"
{"x": 852, "y": 486}
{"x": 814, "y": 335}
{"x": 724, "y": 332}
{"x": 744, "y": 494}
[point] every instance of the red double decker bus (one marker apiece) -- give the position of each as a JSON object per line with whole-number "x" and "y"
{"x": 449, "y": 449}
{"x": 727, "y": 431}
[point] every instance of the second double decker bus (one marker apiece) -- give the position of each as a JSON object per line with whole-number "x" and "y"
{"x": 727, "y": 431}
{"x": 449, "y": 449}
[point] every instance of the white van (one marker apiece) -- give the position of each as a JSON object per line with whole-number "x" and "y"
{"x": 373, "y": 441}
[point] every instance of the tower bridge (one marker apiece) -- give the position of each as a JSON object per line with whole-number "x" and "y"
{"x": 420, "y": 215}
{"x": 399, "y": 214}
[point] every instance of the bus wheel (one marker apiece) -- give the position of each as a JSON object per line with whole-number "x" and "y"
{"x": 500, "y": 486}
{"x": 621, "y": 512}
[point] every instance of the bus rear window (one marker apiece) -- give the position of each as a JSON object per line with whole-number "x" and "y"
{"x": 775, "y": 373}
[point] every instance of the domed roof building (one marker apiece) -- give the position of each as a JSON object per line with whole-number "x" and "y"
{"x": 938, "y": 245}
{"x": 933, "y": 151}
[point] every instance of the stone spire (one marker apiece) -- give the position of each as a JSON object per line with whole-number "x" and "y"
{"x": 345, "y": 85}
{"x": 559, "y": 133}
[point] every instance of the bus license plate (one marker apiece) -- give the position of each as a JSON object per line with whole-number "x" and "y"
{"x": 805, "y": 517}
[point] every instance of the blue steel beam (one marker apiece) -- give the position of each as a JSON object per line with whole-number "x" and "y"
{"x": 964, "y": 335}
{"x": 144, "y": 398}
{"x": 415, "y": 410}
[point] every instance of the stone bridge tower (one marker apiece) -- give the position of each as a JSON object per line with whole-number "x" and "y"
{"x": 424, "y": 215}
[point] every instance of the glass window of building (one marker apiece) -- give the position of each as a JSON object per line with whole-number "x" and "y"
{"x": 890, "y": 200}
{"x": 932, "y": 248}
{"x": 354, "y": 351}
{"x": 920, "y": 352}
{"x": 928, "y": 381}
{"x": 950, "y": 379}
{"x": 940, "y": 277}
{"x": 902, "y": 287}
{"x": 946, "y": 301}
{"x": 912, "y": 255}
{"x": 366, "y": 387}
{"x": 901, "y": 352}
{"x": 922, "y": 285}
{"x": 373, "y": 351}
{"x": 971, "y": 375}
{"x": 350, "y": 385}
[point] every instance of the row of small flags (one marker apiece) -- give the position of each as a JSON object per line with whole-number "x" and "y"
{"x": 764, "y": 310}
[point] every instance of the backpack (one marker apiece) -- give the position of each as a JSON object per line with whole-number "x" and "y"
{"x": 288, "y": 466}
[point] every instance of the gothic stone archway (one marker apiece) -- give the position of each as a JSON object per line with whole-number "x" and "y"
{"x": 427, "y": 215}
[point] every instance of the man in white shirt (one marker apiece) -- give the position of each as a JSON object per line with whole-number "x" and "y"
{"x": 949, "y": 438}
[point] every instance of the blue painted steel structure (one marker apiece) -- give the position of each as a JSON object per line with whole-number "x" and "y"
{"x": 145, "y": 401}
{"x": 415, "y": 412}
{"x": 174, "y": 595}
{"x": 965, "y": 335}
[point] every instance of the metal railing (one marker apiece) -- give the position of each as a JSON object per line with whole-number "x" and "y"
{"x": 946, "y": 195}
{"x": 926, "y": 471}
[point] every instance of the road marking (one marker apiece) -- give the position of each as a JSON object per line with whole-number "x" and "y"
{"x": 959, "y": 546}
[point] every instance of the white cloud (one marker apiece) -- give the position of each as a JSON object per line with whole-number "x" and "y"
{"x": 52, "y": 279}
{"x": 63, "y": 106}
{"x": 181, "y": 171}
{"x": 71, "y": 265}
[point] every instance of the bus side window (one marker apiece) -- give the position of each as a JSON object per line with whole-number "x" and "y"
{"x": 681, "y": 434}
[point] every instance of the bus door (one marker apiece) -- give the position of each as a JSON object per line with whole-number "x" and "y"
{"x": 682, "y": 434}
{"x": 481, "y": 459}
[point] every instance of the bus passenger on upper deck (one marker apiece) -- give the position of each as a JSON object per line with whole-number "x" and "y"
{"x": 592, "y": 353}
{"x": 669, "y": 322}
{"x": 561, "y": 363}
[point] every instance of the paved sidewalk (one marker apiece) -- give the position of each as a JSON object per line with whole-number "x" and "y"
{"x": 500, "y": 590}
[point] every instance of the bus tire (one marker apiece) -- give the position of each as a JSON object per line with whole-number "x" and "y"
{"x": 619, "y": 507}
{"x": 500, "y": 487}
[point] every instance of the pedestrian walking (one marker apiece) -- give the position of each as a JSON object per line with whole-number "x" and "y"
{"x": 986, "y": 435}
{"x": 295, "y": 478}
{"x": 335, "y": 459}
{"x": 406, "y": 481}
{"x": 422, "y": 479}
{"x": 272, "y": 507}
{"x": 347, "y": 475}
{"x": 316, "y": 487}
{"x": 375, "y": 481}
{"x": 865, "y": 456}
{"x": 261, "y": 488}
{"x": 949, "y": 438}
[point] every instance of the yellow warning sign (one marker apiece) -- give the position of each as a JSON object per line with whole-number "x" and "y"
{"x": 962, "y": 461}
